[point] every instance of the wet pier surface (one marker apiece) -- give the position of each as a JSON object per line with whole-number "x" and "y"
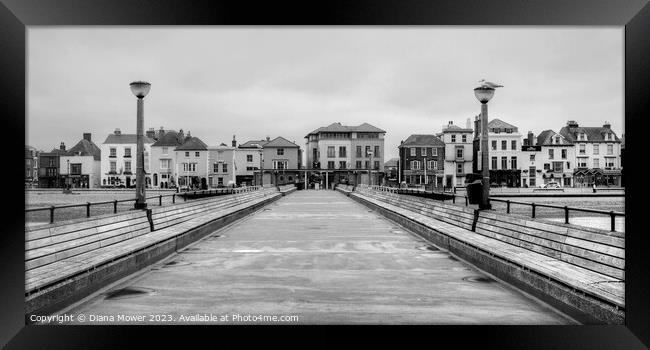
{"x": 322, "y": 257}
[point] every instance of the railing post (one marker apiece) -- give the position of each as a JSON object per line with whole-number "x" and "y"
{"x": 87, "y": 209}
{"x": 566, "y": 214}
{"x": 174, "y": 198}
{"x": 533, "y": 213}
{"x": 115, "y": 206}
{"x": 466, "y": 201}
{"x": 508, "y": 207}
{"x": 51, "y": 214}
{"x": 453, "y": 199}
{"x": 613, "y": 218}
{"x": 160, "y": 200}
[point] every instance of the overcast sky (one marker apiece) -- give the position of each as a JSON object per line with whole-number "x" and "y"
{"x": 288, "y": 81}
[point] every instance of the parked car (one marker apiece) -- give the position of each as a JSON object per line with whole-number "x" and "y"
{"x": 552, "y": 185}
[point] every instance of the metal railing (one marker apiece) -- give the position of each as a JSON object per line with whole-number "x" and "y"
{"x": 185, "y": 195}
{"x": 612, "y": 214}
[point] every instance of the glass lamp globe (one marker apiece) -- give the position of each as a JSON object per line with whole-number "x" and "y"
{"x": 140, "y": 88}
{"x": 484, "y": 93}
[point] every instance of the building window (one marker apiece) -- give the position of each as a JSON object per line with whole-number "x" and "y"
{"x": 279, "y": 164}
{"x": 342, "y": 152}
{"x": 280, "y": 151}
{"x": 513, "y": 144}
{"x": 359, "y": 155}
{"x": 453, "y": 138}
{"x": 127, "y": 152}
{"x": 330, "y": 164}
{"x": 434, "y": 151}
{"x": 547, "y": 166}
{"x": 215, "y": 167}
{"x": 494, "y": 145}
{"x": 376, "y": 164}
{"x": 596, "y": 163}
{"x": 464, "y": 138}
{"x": 531, "y": 171}
{"x": 423, "y": 151}
{"x": 342, "y": 165}
{"x": 596, "y": 149}
{"x": 358, "y": 165}
{"x": 504, "y": 145}
{"x": 459, "y": 152}
{"x": 609, "y": 137}
{"x": 494, "y": 163}
{"x": 224, "y": 167}
{"x": 196, "y": 154}
{"x": 532, "y": 157}
{"x": 220, "y": 181}
{"x": 367, "y": 164}
{"x": 165, "y": 164}
{"x": 551, "y": 153}
{"x": 459, "y": 168}
{"x": 376, "y": 154}
{"x": 249, "y": 158}
{"x": 582, "y": 137}
{"x": 52, "y": 162}
{"x": 581, "y": 148}
{"x": 113, "y": 167}
{"x": 610, "y": 149}
{"x": 413, "y": 152}
{"x": 113, "y": 151}
{"x": 330, "y": 152}
{"x": 563, "y": 154}
{"x": 513, "y": 162}
{"x": 557, "y": 167}
{"x": 75, "y": 169}
{"x": 609, "y": 162}
{"x": 532, "y": 181}
{"x": 568, "y": 165}
{"x": 504, "y": 163}
{"x": 165, "y": 150}
{"x": 367, "y": 151}
{"x": 582, "y": 162}
{"x": 187, "y": 154}
{"x": 189, "y": 166}
{"x": 127, "y": 167}
{"x": 415, "y": 165}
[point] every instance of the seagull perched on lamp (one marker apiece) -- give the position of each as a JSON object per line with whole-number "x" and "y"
{"x": 489, "y": 84}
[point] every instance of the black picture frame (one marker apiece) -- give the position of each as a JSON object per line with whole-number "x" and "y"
{"x": 15, "y": 15}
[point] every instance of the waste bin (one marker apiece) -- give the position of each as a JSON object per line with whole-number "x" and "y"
{"x": 475, "y": 192}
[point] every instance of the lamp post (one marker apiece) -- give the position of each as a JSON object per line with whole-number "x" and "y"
{"x": 370, "y": 169}
{"x": 140, "y": 89}
{"x": 484, "y": 93}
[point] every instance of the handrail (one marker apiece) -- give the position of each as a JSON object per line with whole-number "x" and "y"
{"x": 184, "y": 194}
{"x": 612, "y": 214}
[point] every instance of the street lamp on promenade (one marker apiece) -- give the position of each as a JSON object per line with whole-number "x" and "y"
{"x": 140, "y": 89}
{"x": 484, "y": 93}
{"x": 370, "y": 169}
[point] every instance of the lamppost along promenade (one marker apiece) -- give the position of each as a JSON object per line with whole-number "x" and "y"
{"x": 140, "y": 89}
{"x": 484, "y": 93}
{"x": 370, "y": 169}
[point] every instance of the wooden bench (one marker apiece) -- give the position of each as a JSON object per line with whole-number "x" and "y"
{"x": 589, "y": 260}
{"x": 59, "y": 251}
{"x": 345, "y": 189}
{"x": 286, "y": 189}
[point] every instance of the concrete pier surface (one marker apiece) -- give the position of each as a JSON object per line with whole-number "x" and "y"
{"x": 322, "y": 257}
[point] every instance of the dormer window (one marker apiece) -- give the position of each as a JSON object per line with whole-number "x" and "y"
{"x": 609, "y": 137}
{"x": 582, "y": 137}
{"x": 557, "y": 139}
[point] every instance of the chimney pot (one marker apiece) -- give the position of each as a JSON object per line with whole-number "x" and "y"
{"x": 117, "y": 131}
{"x": 87, "y": 137}
{"x": 62, "y": 146}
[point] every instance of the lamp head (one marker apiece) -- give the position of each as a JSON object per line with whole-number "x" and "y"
{"x": 484, "y": 93}
{"x": 140, "y": 88}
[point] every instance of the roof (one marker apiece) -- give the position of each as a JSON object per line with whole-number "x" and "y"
{"x": 455, "y": 128}
{"x": 84, "y": 148}
{"x": 169, "y": 138}
{"x": 192, "y": 144}
{"x": 280, "y": 142}
{"x": 500, "y": 124}
{"x": 422, "y": 140}
{"x": 126, "y": 138}
{"x": 593, "y": 133}
{"x": 56, "y": 151}
{"x": 391, "y": 162}
{"x": 338, "y": 127}
{"x": 544, "y": 137}
{"x": 252, "y": 143}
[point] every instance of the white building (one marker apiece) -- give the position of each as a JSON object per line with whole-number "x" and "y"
{"x": 458, "y": 153}
{"x": 80, "y": 165}
{"x": 163, "y": 159}
{"x": 118, "y": 159}
{"x": 504, "y": 142}
{"x": 221, "y": 166}
{"x": 249, "y": 160}
{"x": 549, "y": 157}
{"x": 598, "y": 154}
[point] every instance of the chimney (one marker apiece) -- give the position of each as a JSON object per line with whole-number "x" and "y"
{"x": 572, "y": 124}
{"x": 117, "y": 131}
{"x": 181, "y": 136}
{"x": 607, "y": 125}
{"x": 468, "y": 124}
{"x": 87, "y": 136}
{"x": 530, "y": 138}
{"x": 151, "y": 133}
{"x": 268, "y": 139}
{"x": 234, "y": 141}
{"x": 62, "y": 146}
{"x": 161, "y": 132}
